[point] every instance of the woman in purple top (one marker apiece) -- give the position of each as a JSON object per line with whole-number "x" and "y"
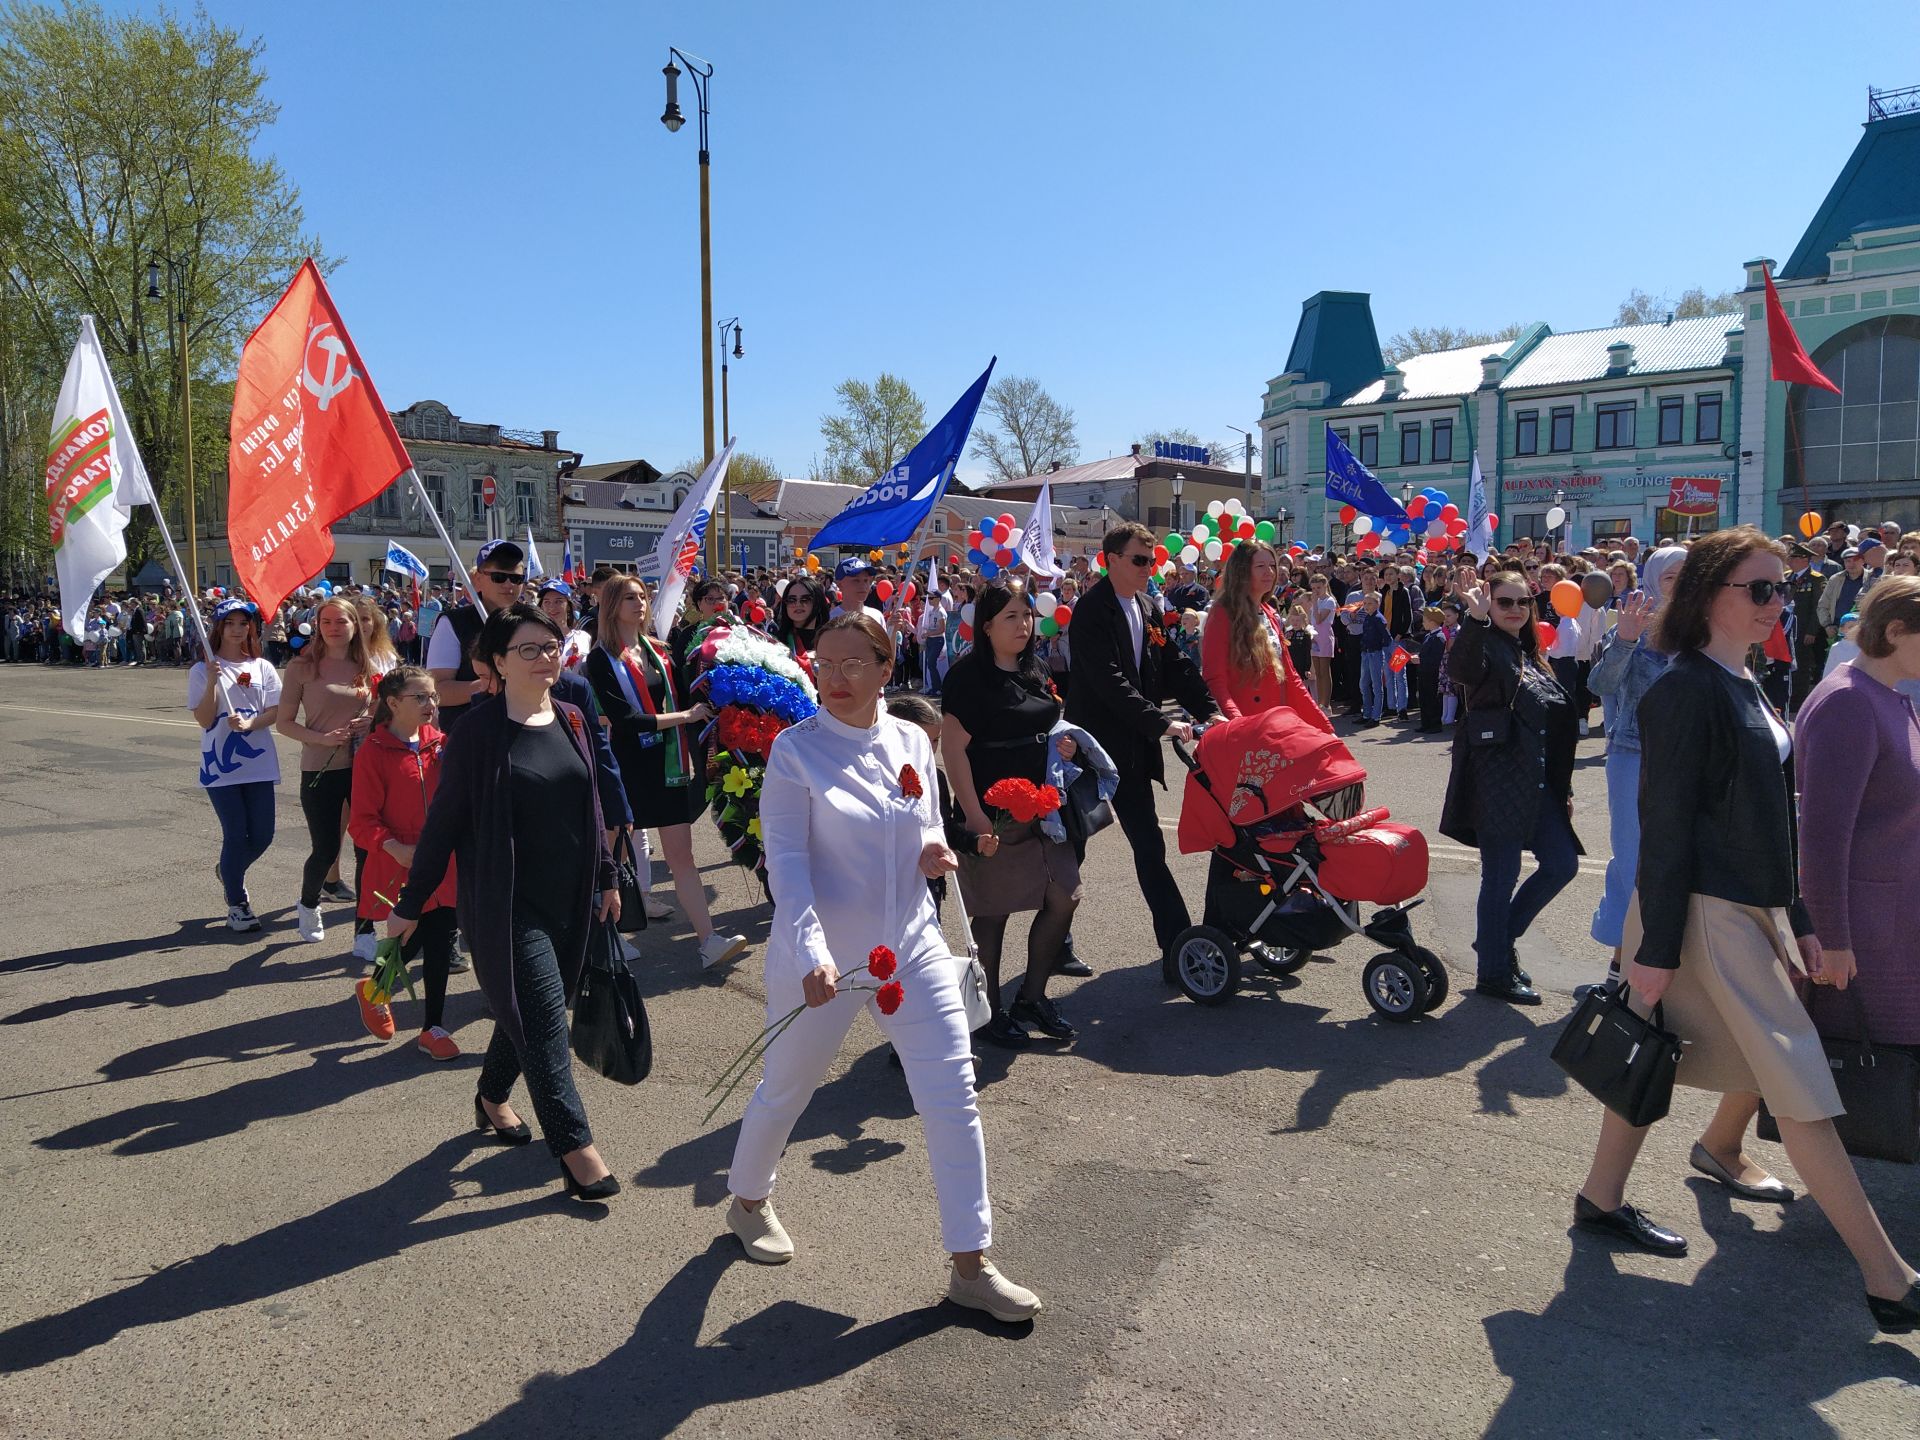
{"x": 1859, "y": 739}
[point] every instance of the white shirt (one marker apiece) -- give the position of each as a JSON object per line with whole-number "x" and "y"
{"x": 843, "y": 844}
{"x": 1135, "y": 625}
{"x": 227, "y": 758}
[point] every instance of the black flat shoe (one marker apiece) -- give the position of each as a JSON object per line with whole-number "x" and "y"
{"x": 1513, "y": 991}
{"x": 1630, "y": 1225}
{"x": 602, "y": 1189}
{"x": 1896, "y": 1317}
{"x": 1004, "y": 1031}
{"x": 1073, "y": 965}
{"x": 504, "y": 1134}
{"x": 1045, "y": 1017}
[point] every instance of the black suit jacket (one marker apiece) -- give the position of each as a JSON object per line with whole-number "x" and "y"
{"x": 1118, "y": 702}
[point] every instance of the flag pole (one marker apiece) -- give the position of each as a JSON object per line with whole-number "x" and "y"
{"x": 453, "y": 554}
{"x": 193, "y": 609}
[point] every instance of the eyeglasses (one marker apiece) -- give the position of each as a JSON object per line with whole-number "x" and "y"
{"x": 1138, "y": 561}
{"x": 1508, "y": 602}
{"x": 531, "y": 650}
{"x": 847, "y": 669}
{"x": 1761, "y": 592}
{"x": 504, "y": 577}
{"x": 419, "y": 697}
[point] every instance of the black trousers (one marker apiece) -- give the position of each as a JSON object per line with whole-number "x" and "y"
{"x": 1133, "y": 807}
{"x": 432, "y": 939}
{"x": 1811, "y": 653}
{"x": 1430, "y": 709}
{"x": 323, "y": 800}
{"x": 545, "y": 1059}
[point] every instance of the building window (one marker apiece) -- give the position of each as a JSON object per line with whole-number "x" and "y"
{"x": 1530, "y": 527}
{"x": 1409, "y": 444}
{"x": 1667, "y": 525}
{"x": 1613, "y": 427}
{"x": 476, "y": 504}
{"x": 940, "y": 522}
{"x": 1869, "y": 433}
{"x": 1706, "y": 419}
{"x": 1442, "y": 442}
{"x": 1611, "y": 530}
{"x": 1672, "y": 413}
{"x": 1280, "y": 455}
{"x": 437, "y": 493}
{"x": 1560, "y": 439}
{"x": 526, "y": 502}
{"x": 1159, "y": 517}
{"x": 1526, "y": 432}
{"x": 1346, "y": 437}
{"x": 1369, "y": 451}
{"x": 386, "y": 505}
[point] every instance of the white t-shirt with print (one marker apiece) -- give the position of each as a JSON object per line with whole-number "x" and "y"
{"x": 226, "y": 758}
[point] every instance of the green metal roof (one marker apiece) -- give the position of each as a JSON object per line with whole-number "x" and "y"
{"x": 1880, "y": 185}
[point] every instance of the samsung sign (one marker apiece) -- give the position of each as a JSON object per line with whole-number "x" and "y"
{"x": 1190, "y": 454}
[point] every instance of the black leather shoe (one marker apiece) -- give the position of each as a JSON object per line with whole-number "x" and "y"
{"x": 1512, "y": 990}
{"x": 1896, "y": 1317}
{"x": 1004, "y": 1031}
{"x": 1630, "y": 1225}
{"x": 1773, "y": 1190}
{"x": 1073, "y": 965}
{"x": 1045, "y": 1017}
{"x": 505, "y": 1134}
{"x": 1513, "y": 959}
{"x": 1604, "y": 987}
{"x": 605, "y": 1188}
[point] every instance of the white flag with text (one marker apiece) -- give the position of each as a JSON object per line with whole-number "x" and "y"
{"x": 1036, "y": 541}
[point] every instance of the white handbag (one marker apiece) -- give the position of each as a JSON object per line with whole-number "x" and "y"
{"x": 973, "y": 975}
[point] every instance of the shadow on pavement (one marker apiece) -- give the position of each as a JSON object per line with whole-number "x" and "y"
{"x": 664, "y": 1373}
{"x": 173, "y": 991}
{"x": 190, "y": 934}
{"x": 362, "y": 1229}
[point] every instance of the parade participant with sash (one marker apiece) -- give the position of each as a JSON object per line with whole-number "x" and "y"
{"x": 239, "y": 768}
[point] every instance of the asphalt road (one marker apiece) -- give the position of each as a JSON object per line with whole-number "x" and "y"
{"x": 229, "y": 1213}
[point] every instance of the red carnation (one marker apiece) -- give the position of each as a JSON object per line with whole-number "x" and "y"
{"x": 244, "y": 679}
{"x": 910, "y": 783}
{"x": 881, "y": 963}
{"x": 889, "y": 996}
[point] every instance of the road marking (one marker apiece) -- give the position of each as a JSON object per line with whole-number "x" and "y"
{"x": 103, "y": 715}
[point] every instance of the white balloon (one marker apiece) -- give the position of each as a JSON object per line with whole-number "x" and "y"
{"x": 306, "y": 627}
{"x": 966, "y": 613}
{"x": 1046, "y": 602}
{"x": 1216, "y": 509}
{"x": 1234, "y": 507}
{"x": 1189, "y": 554}
{"x": 1201, "y": 534}
{"x": 1556, "y": 517}
{"x": 1386, "y": 547}
{"x": 1363, "y": 524}
{"x": 1214, "y": 548}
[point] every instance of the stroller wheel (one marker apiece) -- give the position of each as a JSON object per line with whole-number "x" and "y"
{"x": 1281, "y": 959}
{"x": 1395, "y": 986}
{"x": 1206, "y": 964}
{"x": 1436, "y": 977}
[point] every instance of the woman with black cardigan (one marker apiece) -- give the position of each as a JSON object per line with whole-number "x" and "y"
{"x": 517, "y": 806}
{"x": 1511, "y": 786}
{"x": 1717, "y": 927}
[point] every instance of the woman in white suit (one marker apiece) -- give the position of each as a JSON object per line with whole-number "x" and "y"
{"x": 852, "y": 833}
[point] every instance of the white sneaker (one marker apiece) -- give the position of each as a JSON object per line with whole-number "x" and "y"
{"x": 994, "y": 1293}
{"x": 363, "y": 947}
{"x": 1583, "y": 729}
{"x": 658, "y": 909}
{"x": 760, "y": 1231}
{"x": 239, "y": 919}
{"x": 717, "y": 949}
{"x": 309, "y": 923}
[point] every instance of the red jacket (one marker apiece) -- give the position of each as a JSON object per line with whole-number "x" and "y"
{"x": 392, "y": 786}
{"x": 1238, "y": 695}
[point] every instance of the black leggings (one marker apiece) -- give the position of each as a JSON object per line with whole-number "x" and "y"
{"x": 1045, "y": 942}
{"x": 324, "y": 797}
{"x": 433, "y": 939}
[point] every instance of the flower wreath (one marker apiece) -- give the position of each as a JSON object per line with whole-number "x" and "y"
{"x": 756, "y": 690}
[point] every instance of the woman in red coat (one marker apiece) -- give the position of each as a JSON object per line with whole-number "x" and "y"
{"x": 1243, "y": 649}
{"x": 394, "y": 777}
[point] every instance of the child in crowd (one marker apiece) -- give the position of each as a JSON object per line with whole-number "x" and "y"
{"x": 1433, "y": 663}
{"x": 1369, "y": 629}
{"x": 1300, "y": 640}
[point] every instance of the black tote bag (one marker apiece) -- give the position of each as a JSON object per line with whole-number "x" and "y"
{"x": 1880, "y": 1088}
{"x": 1626, "y": 1063}
{"x": 633, "y": 895}
{"x": 610, "y": 1031}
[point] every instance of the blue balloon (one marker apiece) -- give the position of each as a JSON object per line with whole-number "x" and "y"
{"x": 987, "y": 568}
{"x": 325, "y": 587}
{"x": 978, "y": 556}
{"x": 1418, "y": 525}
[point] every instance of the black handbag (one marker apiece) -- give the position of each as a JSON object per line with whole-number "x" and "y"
{"x": 633, "y": 895}
{"x": 1625, "y": 1062}
{"x": 1082, "y": 810}
{"x": 1880, "y": 1088}
{"x": 610, "y": 1031}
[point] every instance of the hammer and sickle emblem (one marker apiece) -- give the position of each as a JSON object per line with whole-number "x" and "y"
{"x": 338, "y": 372}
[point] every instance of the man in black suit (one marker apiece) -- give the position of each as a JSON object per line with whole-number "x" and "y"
{"x": 1124, "y": 664}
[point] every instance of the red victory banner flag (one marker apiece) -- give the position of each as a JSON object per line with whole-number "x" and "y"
{"x": 1694, "y": 496}
{"x": 310, "y": 442}
{"x": 1790, "y": 359}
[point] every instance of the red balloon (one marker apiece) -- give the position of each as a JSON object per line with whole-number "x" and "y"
{"x": 1493, "y": 521}
{"x": 1456, "y": 526}
{"x": 953, "y": 556}
{"x": 1003, "y": 558}
{"x": 1008, "y": 520}
{"x": 758, "y": 614}
{"x": 909, "y": 592}
{"x": 1159, "y": 554}
{"x": 1449, "y": 512}
{"x": 1436, "y": 543}
{"x": 1347, "y": 512}
{"x": 1001, "y": 534}
{"x": 966, "y": 631}
{"x": 976, "y": 539}
{"x": 884, "y": 589}
{"x": 1546, "y": 633}
{"x": 1063, "y": 616}
{"x": 1417, "y": 506}
{"x": 1367, "y": 542}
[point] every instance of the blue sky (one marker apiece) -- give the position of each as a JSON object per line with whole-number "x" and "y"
{"x": 1128, "y": 201}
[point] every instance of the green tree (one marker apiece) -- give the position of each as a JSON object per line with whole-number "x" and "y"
{"x": 1640, "y": 308}
{"x": 1427, "y": 340}
{"x": 875, "y": 426}
{"x": 126, "y": 138}
{"x": 1022, "y": 429}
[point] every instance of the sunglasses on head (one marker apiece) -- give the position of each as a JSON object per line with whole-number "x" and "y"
{"x": 1761, "y": 592}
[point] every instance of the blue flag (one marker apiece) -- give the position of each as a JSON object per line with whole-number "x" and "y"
{"x": 895, "y": 505}
{"x": 1351, "y": 483}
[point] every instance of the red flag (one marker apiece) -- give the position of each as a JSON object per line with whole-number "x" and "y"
{"x": 1790, "y": 359}
{"x": 310, "y": 442}
{"x": 1776, "y": 647}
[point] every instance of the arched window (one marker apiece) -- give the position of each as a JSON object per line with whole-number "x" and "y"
{"x": 1867, "y": 438}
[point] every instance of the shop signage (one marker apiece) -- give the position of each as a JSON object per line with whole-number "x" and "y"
{"x": 1695, "y": 496}
{"x": 1191, "y": 454}
{"x": 1549, "y": 483}
{"x": 604, "y": 545}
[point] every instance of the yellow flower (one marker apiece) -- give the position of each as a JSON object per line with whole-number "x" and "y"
{"x": 737, "y": 781}
{"x": 753, "y": 827}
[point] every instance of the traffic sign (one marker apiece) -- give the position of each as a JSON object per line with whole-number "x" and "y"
{"x": 487, "y": 491}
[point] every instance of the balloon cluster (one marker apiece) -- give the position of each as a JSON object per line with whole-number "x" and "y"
{"x": 990, "y": 548}
{"x": 1433, "y": 524}
{"x": 1225, "y": 524}
{"x": 1054, "y": 616}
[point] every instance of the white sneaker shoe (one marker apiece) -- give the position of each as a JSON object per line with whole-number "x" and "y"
{"x": 994, "y": 1293}
{"x": 717, "y": 949}
{"x": 363, "y": 947}
{"x": 239, "y": 919}
{"x": 309, "y": 923}
{"x": 760, "y": 1231}
{"x": 658, "y": 909}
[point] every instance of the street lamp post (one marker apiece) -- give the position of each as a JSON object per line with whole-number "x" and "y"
{"x": 1178, "y": 484}
{"x": 177, "y": 280}
{"x": 702, "y": 74}
{"x": 726, "y": 428}
{"x": 1252, "y": 501}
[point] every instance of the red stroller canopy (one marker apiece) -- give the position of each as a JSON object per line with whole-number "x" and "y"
{"x": 1254, "y": 768}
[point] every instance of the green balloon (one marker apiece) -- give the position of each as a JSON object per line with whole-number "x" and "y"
{"x": 1049, "y": 626}
{"x": 1173, "y": 543}
{"x": 1264, "y": 531}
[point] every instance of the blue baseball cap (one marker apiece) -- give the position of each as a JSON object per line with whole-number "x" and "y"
{"x": 235, "y": 606}
{"x": 499, "y": 547}
{"x": 554, "y": 587}
{"x": 853, "y": 565}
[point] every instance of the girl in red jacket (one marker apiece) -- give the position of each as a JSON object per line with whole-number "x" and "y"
{"x": 394, "y": 777}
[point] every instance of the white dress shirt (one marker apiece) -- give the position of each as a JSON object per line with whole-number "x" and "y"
{"x": 1135, "y": 626}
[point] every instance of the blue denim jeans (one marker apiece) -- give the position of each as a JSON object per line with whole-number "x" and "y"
{"x": 541, "y": 996}
{"x": 1373, "y": 683}
{"x": 1396, "y": 686}
{"x": 245, "y": 813}
{"x": 1504, "y": 915}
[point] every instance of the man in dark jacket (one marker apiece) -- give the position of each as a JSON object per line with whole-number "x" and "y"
{"x": 1124, "y": 665}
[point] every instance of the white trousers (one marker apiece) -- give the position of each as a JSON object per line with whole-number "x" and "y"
{"x": 929, "y": 1031}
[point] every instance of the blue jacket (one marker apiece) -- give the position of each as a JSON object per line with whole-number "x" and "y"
{"x": 1621, "y": 675}
{"x": 1062, "y": 773}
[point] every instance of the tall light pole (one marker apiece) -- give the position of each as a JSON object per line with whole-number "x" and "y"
{"x": 1177, "y": 484}
{"x": 177, "y": 281}
{"x": 1251, "y": 500}
{"x": 726, "y": 428}
{"x": 702, "y": 74}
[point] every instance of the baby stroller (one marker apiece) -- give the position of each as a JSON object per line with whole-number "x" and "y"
{"x": 1298, "y": 878}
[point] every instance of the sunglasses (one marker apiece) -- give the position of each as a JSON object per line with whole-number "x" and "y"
{"x": 504, "y": 577}
{"x": 1139, "y": 562}
{"x": 1761, "y": 592}
{"x": 1508, "y": 602}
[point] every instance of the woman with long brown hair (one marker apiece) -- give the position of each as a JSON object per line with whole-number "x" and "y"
{"x": 1718, "y": 926}
{"x": 1243, "y": 650}
{"x": 641, "y": 694}
{"x": 325, "y": 705}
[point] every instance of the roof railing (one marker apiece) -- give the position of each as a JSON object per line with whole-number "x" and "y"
{"x": 1885, "y": 104}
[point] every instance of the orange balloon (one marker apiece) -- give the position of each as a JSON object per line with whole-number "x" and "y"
{"x": 1811, "y": 524}
{"x": 813, "y": 562}
{"x": 1567, "y": 598}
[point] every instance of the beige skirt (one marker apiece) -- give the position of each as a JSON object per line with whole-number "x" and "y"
{"x": 1733, "y": 1005}
{"x": 1019, "y": 874}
